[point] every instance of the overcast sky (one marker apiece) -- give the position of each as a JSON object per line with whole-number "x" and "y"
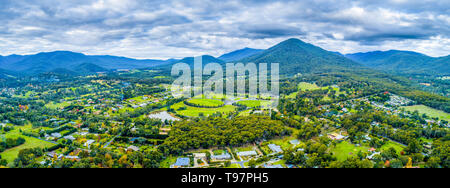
{"x": 174, "y": 29}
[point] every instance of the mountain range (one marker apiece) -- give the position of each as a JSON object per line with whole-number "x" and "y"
{"x": 294, "y": 56}
{"x": 71, "y": 62}
{"x": 403, "y": 62}
{"x": 239, "y": 54}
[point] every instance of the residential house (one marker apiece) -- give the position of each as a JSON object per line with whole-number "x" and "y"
{"x": 275, "y": 148}
{"x": 133, "y": 148}
{"x": 225, "y": 156}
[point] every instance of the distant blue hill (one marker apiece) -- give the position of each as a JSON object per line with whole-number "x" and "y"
{"x": 205, "y": 60}
{"x": 403, "y": 62}
{"x": 6, "y": 75}
{"x": 239, "y": 54}
{"x": 71, "y": 61}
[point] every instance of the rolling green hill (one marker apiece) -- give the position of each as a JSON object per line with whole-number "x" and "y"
{"x": 403, "y": 62}
{"x": 296, "y": 56}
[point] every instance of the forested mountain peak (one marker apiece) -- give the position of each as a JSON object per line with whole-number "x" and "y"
{"x": 296, "y": 56}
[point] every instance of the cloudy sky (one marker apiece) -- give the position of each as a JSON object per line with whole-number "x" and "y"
{"x": 174, "y": 29}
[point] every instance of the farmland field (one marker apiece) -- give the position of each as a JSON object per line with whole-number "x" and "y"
{"x": 422, "y": 109}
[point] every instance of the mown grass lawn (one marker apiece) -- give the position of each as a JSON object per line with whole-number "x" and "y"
{"x": 53, "y": 105}
{"x": 250, "y": 103}
{"x": 219, "y": 152}
{"x": 254, "y": 103}
{"x": 195, "y": 112}
{"x": 345, "y": 149}
{"x": 160, "y": 77}
{"x": 292, "y": 95}
{"x": 30, "y": 142}
{"x": 245, "y": 113}
{"x": 244, "y": 148}
{"x": 206, "y": 102}
{"x": 398, "y": 147}
{"x": 422, "y": 109}
{"x": 303, "y": 86}
{"x": 280, "y": 162}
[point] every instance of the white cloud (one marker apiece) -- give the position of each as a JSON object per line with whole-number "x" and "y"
{"x": 175, "y": 29}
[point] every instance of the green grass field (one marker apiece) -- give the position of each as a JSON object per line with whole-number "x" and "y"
{"x": 254, "y": 103}
{"x": 219, "y": 152}
{"x": 303, "y": 86}
{"x": 398, "y": 147}
{"x": 292, "y": 95}
{"x": 250, "y": 103}
{"x": 243, "y": 148}
{"x": 422, "y": 109}
{"x": 30, "y": 142}
{"x": 195, "y": 112}
{"x": 345, "y": 149}
{"x": 138, "y": 100}
{"x": 213, "y": 96}
{"x": 245, "y": 113}
{"x": 428, "y": 140}
{"x": 160, "y": 77}
{"x": 53, "y": 105}
{"x": 281, "y": 162}
{"x": 206, "y": 102}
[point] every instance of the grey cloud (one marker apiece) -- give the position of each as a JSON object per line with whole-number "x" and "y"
{"x": 204, "y": 26}
{"x": 270, "y": 31}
